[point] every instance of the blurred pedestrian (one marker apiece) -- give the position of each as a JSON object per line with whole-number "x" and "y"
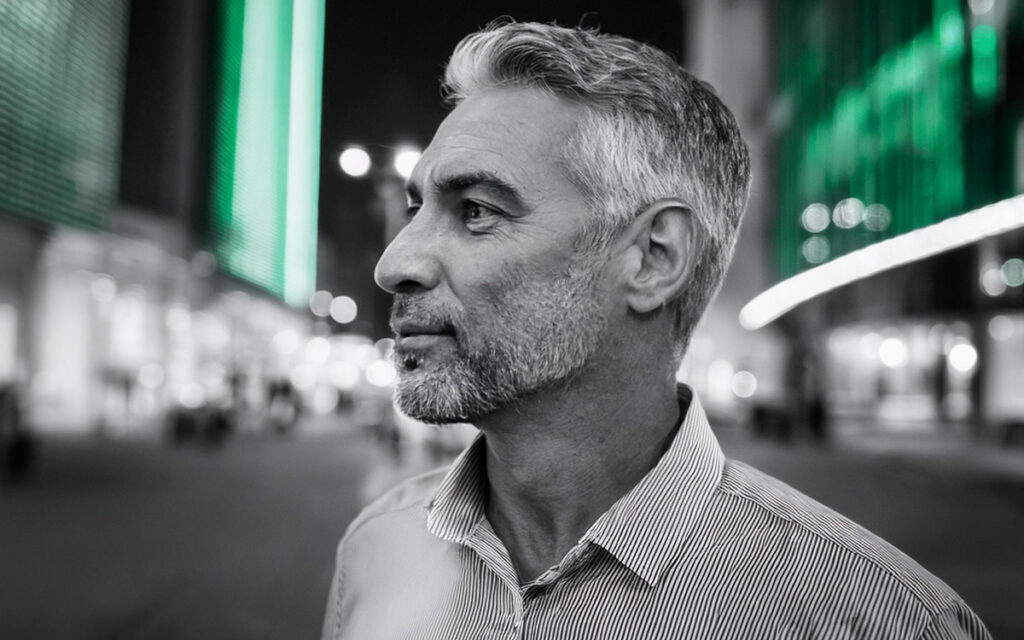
{"x": 569, "y": 223}
{"x": 284, "y": 407}
{"x": 18, "y": 445}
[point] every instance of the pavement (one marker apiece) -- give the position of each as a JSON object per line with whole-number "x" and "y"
{"x": 137, "y": 538}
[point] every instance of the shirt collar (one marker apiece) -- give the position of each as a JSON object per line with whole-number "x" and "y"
{"x": 458, "y": 504}
{"x": 645, "y": 529}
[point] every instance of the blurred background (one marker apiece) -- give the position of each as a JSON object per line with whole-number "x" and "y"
{"x": 195, "y": 391}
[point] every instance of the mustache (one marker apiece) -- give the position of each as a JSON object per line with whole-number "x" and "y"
{"x": 422, "y": 311}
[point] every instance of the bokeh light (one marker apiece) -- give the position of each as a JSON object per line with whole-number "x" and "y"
{"x": 1000, "y": 328}
{"x": 1012, "y": 272}
{"x": 354, "y": 161}
{"x": 991, "y": 281}
{"x": 318, "y": 349}
{"x": 815, "y": 218}
{"x": 343, "y": 309}
{"x": 877, "y": 217}
{"x": 344, "y": 374}
{"x": 893, "y": 352}
{"x": 303, "y": 377}
{"x": 286, "y": 341}
{"x": 815, "y": 249}
{"x": 405, "y": 160}
{"x": 104, "y": 289}
{"x": 963, "y": 357}
{"x": 381, "y": 374}
{"x": 848, "y": 213}
{"x": 320, "y": 303}
{"x": 744, "y": 384}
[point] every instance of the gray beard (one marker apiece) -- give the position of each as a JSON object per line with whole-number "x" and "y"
{"x": 539, "y": 336}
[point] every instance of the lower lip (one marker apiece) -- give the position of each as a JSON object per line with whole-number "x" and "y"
{"x": 422, "y": 341}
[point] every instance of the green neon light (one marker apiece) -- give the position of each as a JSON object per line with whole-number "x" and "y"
{"x": 61, "y": 81}
{"x": 266, "y": 164}
{"x": 878, "y": 115}
{"x": 984, "y": 62}
{"x": 303, "y": 151}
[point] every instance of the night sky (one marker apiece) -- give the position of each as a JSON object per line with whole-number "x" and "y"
{"x": 382, "y": 64}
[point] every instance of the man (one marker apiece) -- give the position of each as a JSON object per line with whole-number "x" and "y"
{"x": 569, "y": 223}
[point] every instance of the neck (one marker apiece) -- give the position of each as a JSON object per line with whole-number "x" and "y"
{"x": 560, "y": 459}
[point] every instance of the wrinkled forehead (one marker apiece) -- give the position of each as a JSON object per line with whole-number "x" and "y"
{"x": 520, "y": 133}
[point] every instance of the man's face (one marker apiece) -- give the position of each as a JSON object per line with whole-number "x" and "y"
{"x": 491, "y": 302}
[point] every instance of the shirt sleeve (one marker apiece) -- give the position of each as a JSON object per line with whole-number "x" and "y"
{"x": 332, "y": 618}
{"x": 955, "y": 623}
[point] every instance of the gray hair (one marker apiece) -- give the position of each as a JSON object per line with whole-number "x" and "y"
{"x": 650, "y": 131}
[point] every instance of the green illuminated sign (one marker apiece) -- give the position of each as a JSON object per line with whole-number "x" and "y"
{"x": 878, "y": 111}
{"x": 267, "y": 144}
{"x": 61, "y": 82}
{"x": 984, "y": 62}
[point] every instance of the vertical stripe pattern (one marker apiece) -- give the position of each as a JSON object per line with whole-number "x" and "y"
{"x": 702, "y": 547}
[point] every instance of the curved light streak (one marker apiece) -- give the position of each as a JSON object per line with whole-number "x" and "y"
{"x": 951, "y": 233}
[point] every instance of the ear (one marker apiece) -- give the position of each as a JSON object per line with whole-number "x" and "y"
{"x": 659, "y": 254}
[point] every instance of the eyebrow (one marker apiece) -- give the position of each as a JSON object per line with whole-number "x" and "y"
{"x": 484, "y": 179}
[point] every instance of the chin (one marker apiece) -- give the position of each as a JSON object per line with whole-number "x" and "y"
{"x": 435, "y": 397}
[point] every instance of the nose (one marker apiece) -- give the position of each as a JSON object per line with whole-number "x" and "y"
{"x": 409, "y": 264}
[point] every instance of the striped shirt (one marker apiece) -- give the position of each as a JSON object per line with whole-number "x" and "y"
{"x": 701, "y": 547}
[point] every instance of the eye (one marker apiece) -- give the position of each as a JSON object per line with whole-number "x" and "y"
{"x": 475, "y": 211}
{"x": 479, "y": 216}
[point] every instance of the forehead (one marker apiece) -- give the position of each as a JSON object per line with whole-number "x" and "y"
{"x": 517, "y": 133}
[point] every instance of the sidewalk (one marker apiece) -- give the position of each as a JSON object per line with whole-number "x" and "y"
{"x": 951, "y": 448}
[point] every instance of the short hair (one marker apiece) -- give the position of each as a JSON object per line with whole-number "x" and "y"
{"x": 651, "y": 131}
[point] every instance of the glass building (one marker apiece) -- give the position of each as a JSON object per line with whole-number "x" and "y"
{"x": 899, "y": 154}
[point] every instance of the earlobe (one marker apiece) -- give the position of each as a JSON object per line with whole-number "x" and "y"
{"x": 662, "y": 242}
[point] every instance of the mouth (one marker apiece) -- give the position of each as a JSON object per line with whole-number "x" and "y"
{"x": 411, "y": 336}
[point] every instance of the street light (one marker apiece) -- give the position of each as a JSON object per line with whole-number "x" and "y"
{"x": 405, "y": 160}
{"x": 355, "y": 161}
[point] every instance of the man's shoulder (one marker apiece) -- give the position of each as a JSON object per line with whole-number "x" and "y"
{"x": 409, "y": 496}
{"x": 825, "y": 542}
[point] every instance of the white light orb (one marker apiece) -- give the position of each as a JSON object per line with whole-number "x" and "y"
{"x": 869, "y": 344}
{"x": 286, "y": 341}
{"x": 325, "y": 399}
{"x": 385, "y": 346}
{"x": 178, "y": 318}
{"x": 981, "y": 7}
{"x": 344, "y": 374}
{"x": 104, "y": 289}
{"x": 1000, "y": 328}
{"x": 1012, "y": 272}
{"x": 320, "y": 303}
{"x": 992, "y": 282}
{"x": 355, "y": 162}
{"x": 848, "y": 213}
{"x": 893, "y": 352}
{"x": 192, "y": 395}
{"x": 365, "y": 354}
{"x": 405, "y": 160}
{"x": 744, "y": 384}
{"x": 877, "y": 217}
{"x": 381, "y": 374}
{"x": 343, "y": 309}
{"x": 815, "y": 249}
{"x": 318, "y": 350}
{"x": 303, "y": 377}
{"x": 963, "y": 357}
{"x": 815, "y": 218}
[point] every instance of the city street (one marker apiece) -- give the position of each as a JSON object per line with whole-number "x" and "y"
{"x": 139, "y": 538}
